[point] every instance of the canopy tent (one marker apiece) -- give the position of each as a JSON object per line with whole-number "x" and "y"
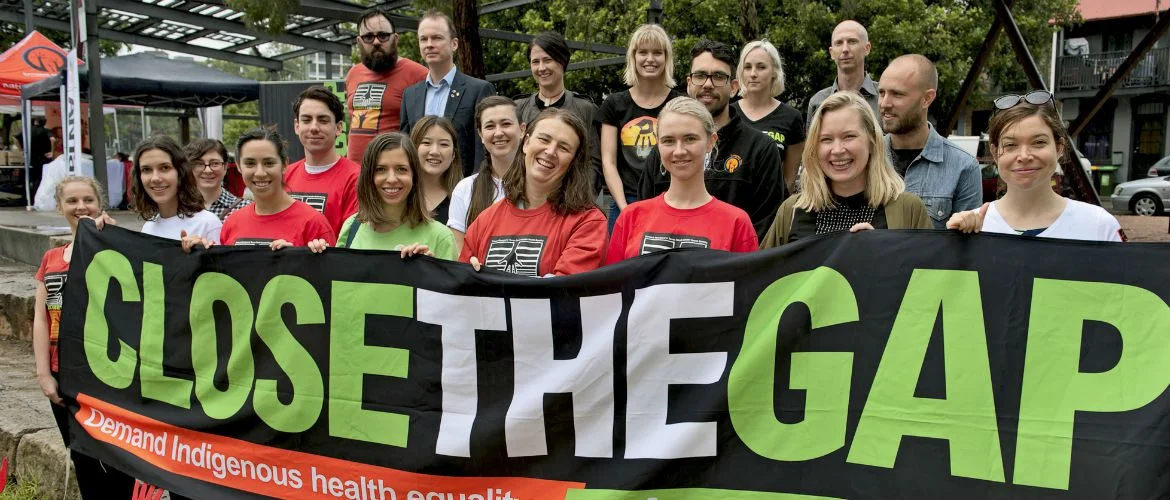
{"x": 31, "y": 60}
{"x": 147, "y": 79}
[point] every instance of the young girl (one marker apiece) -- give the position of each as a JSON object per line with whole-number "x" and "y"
{"x": 208, "y": 159}
{"x": 686, "y": 215}
{"x": 275, "y": 220}
{"x": 1027, "y": 138}
{"x": 629, "y": 119}
{"x": 761, "y": 79}
{"x": 500, "y": 131}
{"x": 165, "y": 194}
{"x": 76, "y": 197}
{"x": 547, "y": 225}
{"x": 390, "y": 212}
{"x": 848, "y": 183}
{"x": 441, "y": 169}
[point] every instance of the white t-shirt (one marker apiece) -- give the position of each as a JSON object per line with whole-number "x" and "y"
{"x": 461, "y": 201}
{"x": 1078, "y": 221}
{"x": 203, "y": 223}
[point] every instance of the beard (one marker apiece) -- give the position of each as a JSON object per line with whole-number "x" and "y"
{"x": 903, "y": 124}
{"x": 379, "y": 61}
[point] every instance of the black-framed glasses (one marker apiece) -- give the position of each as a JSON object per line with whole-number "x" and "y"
{"x": 213, "y": 164}
{"x": 382, "y": 36}
{"x": 718, "y": 78}
{"x": 1035, "y": 98}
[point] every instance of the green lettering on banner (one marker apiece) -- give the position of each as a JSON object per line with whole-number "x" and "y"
{"x": 350, "y": 360}
{"x": 1054, "y": 388}
{"x": 966, "y": 417}
{"x": 211, "y": 288}
{"x": 685, "y": 494}
{"x": 308, "y": 391}
{"x": 108, "y": 265}
{"x": 155, "y": 384}
{"x": 825, "y": 375}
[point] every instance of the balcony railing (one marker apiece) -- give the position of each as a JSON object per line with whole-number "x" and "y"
{"x": 1092, "y": 71}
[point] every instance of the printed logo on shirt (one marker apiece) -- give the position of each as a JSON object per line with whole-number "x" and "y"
{"x": 55, "y": 286}
{"x": 776, "y": 137}
{"x": 517, "y": 254}
{"x": 254, "y": 242}
{"x": 641, "y": 133}
{"x": 728, "y": 166}
{"x": 315, "y": 200}
{"x": 367, "y": 107}
{"x": 657, "y": 242}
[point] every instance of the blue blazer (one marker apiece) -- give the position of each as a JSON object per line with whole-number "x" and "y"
{"x": 466, "y": 92}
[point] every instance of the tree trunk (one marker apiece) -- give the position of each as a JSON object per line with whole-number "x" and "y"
{"x": 749, "y": 21}
{"x": 470, "y": 57}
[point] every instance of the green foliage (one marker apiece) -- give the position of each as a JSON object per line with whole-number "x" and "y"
{"x": 23, "y": 490}
{"x": 269, "y": 16}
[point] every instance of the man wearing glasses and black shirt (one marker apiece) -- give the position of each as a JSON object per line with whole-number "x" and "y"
{"x": 744, "y": 168}
{"x": 374, "y": 87}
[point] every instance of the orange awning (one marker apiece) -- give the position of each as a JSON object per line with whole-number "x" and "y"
{"x": 31, "y": 60}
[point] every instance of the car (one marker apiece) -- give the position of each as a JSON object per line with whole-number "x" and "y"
{"x": 1160, "y": 169}
{"x": 1145, "y": 197}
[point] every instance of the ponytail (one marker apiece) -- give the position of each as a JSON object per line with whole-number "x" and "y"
{"x": 483, "y": 191}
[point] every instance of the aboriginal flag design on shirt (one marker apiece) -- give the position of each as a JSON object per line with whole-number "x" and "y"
{"x": 516, "y": 254}
{"x": 367, "y": 107}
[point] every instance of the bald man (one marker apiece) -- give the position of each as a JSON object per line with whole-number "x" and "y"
{"x": 942, "y": 174}
{"x": 848, "y": 48}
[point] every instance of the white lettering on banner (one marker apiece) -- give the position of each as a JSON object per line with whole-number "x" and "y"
{"x": 459, "y": 316}
{"x": 588, "y": 377}
{"x": 652, "y": 369}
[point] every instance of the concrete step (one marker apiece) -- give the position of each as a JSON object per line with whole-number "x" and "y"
{"x": 25, "y": 236}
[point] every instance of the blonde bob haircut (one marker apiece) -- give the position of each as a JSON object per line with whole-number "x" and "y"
{"x": 882, "y": 183}
{"x": 777, "y": 65}
{"x": 651, "y": 37}
{"x": 688, "y": 106}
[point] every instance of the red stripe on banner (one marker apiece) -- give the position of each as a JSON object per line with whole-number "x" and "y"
{"x": 281, "y": 473}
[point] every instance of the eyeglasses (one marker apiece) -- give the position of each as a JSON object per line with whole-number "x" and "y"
{"x": 382, "y": 36}
{"x": 1035, "y": 98}
{"x": 718, "y": 79}
{"x": 213, "y": 164}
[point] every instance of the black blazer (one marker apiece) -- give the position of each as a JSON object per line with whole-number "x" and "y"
{"x": 466, "y": 92}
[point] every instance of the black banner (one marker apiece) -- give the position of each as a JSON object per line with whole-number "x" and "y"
{"x": 883, "y": 364}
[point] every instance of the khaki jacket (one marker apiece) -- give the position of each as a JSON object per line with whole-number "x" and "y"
{"x": 905, "y": 212}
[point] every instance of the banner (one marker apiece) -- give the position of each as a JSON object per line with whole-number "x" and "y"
{"x": 72, "y": 119}
{"x": 883, "y": 364}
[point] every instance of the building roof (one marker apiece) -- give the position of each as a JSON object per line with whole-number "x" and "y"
{"x": 1098, "y": 10}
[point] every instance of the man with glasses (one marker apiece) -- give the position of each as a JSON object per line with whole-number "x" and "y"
{"x": 744, "y": 168}
{"x": 323, "y": 179}
{"x": 848, "y": 47}
{"x": 374, "y": 87}
{"x": 446, "y": 91}
{"x": 947, "y": 178}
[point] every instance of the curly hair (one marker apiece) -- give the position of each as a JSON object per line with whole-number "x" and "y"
{"x": 187, "y": 192}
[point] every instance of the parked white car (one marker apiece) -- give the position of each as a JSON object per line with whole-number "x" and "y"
{"x": 1144, "y": 197}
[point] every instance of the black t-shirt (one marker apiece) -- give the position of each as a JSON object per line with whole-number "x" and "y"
{"x": 849, "y": 211}
{"x": 441, "y": 210}
{"x": 783, "y": 125}
{"x": 637, "y": 134}
{"x": 902, "y": 158}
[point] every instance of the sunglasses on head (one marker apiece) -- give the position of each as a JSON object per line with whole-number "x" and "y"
{"x": 1035, "y": 98}
{"x": 382, "y": 36}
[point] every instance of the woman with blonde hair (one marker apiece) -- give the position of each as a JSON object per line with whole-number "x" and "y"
{"x": 629, "y": 119}
{"x": 686, "y": 215}
{"x": 761, "y": 79}
{"x": 848, "y": 183}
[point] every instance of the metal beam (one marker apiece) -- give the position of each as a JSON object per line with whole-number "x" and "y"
{"x": 972, "y": 79}
{"x": 294, "y": 54}
{"x": 596, "y": 63}
{"x": 576, "y": 45}
{"x": 1019, "y": 45}
{"x": 215, "y": 23}
{"x": 1139, "y": 52}
{"x": 395, "y": 4}
{"x": 503, "y": 5}
{"x": 158, "y": 43}
{"x": 198, "y": 34}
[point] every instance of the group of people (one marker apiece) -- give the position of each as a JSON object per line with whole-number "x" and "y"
{"x": 512, "y": 185}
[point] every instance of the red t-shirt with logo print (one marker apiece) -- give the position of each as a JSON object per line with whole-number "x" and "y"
{"x": 653, "y": 225}
{"x": 52, "y": 273}
{"x": 332, "y": 192}
{"x": 537, "y": 242}
{"x": 298, "y": 224}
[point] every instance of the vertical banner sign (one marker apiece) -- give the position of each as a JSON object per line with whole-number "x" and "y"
{"x": 883, "y": 364}
{"x": 73, "y": 116}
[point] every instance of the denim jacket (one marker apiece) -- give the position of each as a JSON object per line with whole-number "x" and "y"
{"x": 947, "y": 178}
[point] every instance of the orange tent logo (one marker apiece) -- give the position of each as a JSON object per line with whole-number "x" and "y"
{"x": 44, "y": 59}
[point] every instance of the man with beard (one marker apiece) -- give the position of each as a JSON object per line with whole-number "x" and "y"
{"x": 446, "y": 91}
{"x": 946, "y": 178}
{"x": 374, "y": 87}
{"x": 848, "y": 47}
{"x": 744, "y": 168}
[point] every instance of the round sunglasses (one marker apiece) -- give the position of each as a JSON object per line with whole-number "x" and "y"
{"x": 1035, "y": 98}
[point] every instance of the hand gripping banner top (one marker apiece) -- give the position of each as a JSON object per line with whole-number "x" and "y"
{"x": 883, "y": 364}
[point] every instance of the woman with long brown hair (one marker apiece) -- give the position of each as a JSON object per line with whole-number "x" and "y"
{"x": 440, "y": 169}
{"x": 164, "y": 193}
{"x": 500, "y": 130}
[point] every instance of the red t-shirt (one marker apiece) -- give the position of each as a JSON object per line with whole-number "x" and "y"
{"x": 536, "y": 242}
{"x": 374, "y": 101}
{"x": 332, "y": 192}
{"x": 234, "y": 180}
{"x": 653, "y": 225}
{"x": 52, "y": 273}
{"x": 298, "y": 224}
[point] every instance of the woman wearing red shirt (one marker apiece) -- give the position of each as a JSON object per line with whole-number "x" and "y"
{"x": 547, "y": 224}
{"x": 686, "y": 215}
{"x": 275, "y": 220}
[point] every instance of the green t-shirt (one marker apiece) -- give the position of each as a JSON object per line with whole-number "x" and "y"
{"x": 433, "y": 234}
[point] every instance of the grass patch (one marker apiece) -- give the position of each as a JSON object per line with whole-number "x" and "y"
{"x": 24, "y": 490}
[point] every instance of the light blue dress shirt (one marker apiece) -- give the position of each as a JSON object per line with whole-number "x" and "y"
{"x": 437, "y": 95}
